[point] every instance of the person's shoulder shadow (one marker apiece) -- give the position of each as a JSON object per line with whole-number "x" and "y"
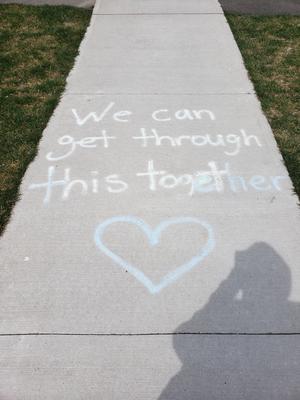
{"x": 235, "y": 348}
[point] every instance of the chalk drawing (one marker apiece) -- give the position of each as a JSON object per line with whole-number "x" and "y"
{"x": 112, "y": 183}
{"x": 208, "y": 179}
{"x": 86, "y": 142}
{"x": 50, "y": 183}
{"x": 154, "y": 236}
{"x": 213, "y": 180}
{"x": 161, "y": 115}
{"x": 230, "y": 140}
{"x": 168, "y": 181}
{"x": 119, "y": 116}
{"x": 164, "y": 115}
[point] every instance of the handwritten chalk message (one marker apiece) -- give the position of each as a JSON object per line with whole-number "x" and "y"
{"x": 210, "y": 177}
{"x": 183, "y": 152}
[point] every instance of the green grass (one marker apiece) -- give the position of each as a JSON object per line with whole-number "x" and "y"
{"x": 271, "y": 50}
{"x": 37, "y": 50}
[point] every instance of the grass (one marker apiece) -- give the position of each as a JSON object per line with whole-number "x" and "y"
{"x": 37, "y": 50}
{"x": 271, "y": 50}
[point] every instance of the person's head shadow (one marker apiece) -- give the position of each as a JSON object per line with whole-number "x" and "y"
{"x": 233, "y": 348}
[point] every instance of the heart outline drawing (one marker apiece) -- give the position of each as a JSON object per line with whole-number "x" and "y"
{"x": 153, "y": 236}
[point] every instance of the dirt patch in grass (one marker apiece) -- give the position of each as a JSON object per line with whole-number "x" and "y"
{"x": 38, "y": 46}
{"x": 271, "y": 50}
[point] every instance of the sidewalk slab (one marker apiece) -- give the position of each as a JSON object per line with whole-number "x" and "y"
{"x": 157, "y": 7}
{"x": 165, "y": 54}
{"x": 86, "y": 294}
{"x": 148, "y": 368}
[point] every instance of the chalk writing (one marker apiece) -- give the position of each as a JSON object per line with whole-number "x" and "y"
{"x": 113, "y": 184}
{"x": 119, "y": 116}
{"x": 86, "y": 142}
{"x": 164, "y": 115}
{"x": 235, "y": 141}
{"x": 211, "y": 180}
{"x": 153, "y": 236}
{"x": 160, "y": 115}
{"x": 155, "y": 127}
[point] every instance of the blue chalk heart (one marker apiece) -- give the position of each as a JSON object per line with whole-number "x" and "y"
{"x": 153, "y": 236}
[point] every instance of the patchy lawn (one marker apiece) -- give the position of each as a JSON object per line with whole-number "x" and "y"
{"x": 37, "y": 50}
{"x": 271, "y": 50}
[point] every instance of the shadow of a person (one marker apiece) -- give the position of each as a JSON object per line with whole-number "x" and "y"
{"x": 235, "y": 347}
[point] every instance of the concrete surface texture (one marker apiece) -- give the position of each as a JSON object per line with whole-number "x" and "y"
{"x": 154, "y": 251}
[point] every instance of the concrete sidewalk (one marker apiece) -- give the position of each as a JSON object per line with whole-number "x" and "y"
{"x": 154, "y": 253}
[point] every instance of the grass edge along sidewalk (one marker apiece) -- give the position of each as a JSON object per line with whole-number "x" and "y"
{"x": 38, "y": 48}
{"x": 270, "y": 47}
